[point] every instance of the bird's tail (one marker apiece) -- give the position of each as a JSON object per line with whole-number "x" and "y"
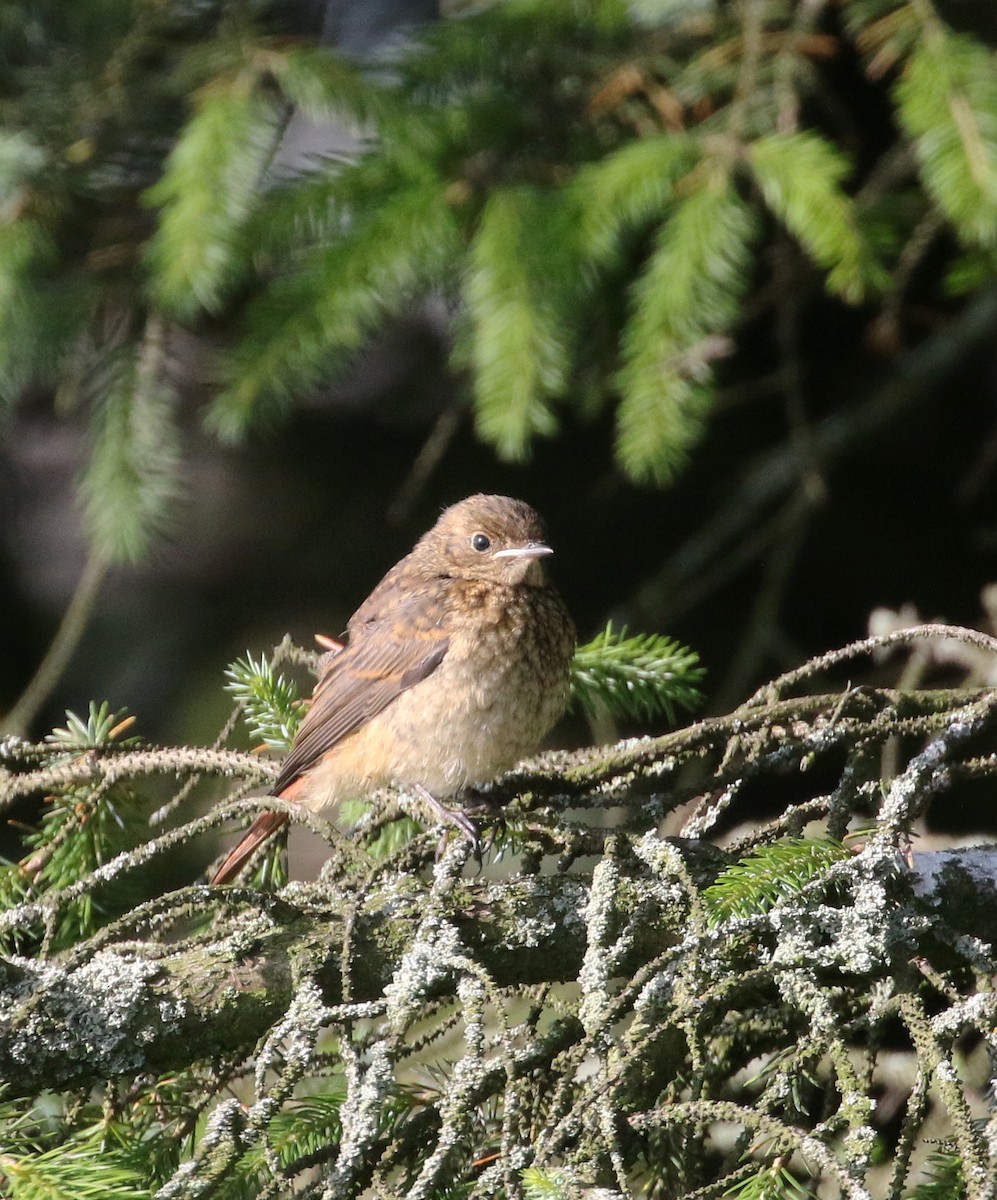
{"x": 265, "y": 825}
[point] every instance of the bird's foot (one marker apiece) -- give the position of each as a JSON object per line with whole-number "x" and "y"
{"x": 454, "y": 818}
{"x": 483, "y": 804}
{"x": 487, "y": 806}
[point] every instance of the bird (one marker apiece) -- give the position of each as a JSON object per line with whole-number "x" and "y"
{"x": 454, "y": 668}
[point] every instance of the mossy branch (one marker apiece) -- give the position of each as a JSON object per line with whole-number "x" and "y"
{"x": 594, "y": 773}
{"x": 217, "y": 995}
{"x": 677, "y": 992}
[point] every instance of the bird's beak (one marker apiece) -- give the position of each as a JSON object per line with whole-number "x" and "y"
{"x": 530, "y": 550}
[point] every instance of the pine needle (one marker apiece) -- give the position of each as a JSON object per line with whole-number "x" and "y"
{"x": 770, "y": 874}
{"x": 269, "y": 700}
{"x": 801, "y": 176}
{"x": 947, "y": 100}
{"x": 636, "y": 678}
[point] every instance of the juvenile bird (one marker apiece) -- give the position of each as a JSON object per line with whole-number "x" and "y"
{"x": 456, "y": 665}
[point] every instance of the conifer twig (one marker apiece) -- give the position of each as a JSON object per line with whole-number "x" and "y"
{"x": 62, "y": 648}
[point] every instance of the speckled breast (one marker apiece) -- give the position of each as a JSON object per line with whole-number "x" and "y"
{"x": 500, "y": 688}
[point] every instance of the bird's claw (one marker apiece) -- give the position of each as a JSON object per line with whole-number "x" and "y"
{"x": 454, "y": 818}
{"x": 484, "y": 804}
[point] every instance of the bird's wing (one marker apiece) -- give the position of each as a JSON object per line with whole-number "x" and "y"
{"x": 389, "y": 651}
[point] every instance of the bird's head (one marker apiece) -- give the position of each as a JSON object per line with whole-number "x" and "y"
{"x": 488, "y": 537}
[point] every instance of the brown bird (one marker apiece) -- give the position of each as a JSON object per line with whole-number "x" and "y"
{"x": 456, "y": 665}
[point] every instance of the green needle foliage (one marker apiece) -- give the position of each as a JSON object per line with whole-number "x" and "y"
{"x": 594, "y": 189}
{"x": 944, "y": 1178}
{"x": 948, "y": 103}
{"x": 101, "y": 727}
{"x": 81, "y": 1168}
{"x": 518, "y": 292}
{"x": 801, "y": 177}
{"x": 771, "y": 1183}
{"x": 547, "y": 1185}
{"x": 769, "y": 875}
{"x": 313, "y": 317}
{"x": 269, "y": 700}
{"x": 635, "y": 678}
{"x": 81, "y": 828}
{"x": 132, "y": 478}
{"x": 688, "y": 294}
{"x": 206, "y": 193}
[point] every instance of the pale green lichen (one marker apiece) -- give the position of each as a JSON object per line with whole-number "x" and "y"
{"x": 104, "y": 1013}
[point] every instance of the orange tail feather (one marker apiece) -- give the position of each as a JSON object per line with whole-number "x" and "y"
{"x": 265, "y": 825}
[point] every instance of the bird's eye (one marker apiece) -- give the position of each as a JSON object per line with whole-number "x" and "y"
{"x": 480, "y": 542}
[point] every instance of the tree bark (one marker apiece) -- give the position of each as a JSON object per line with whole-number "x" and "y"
{"x": 145, "y": 1007}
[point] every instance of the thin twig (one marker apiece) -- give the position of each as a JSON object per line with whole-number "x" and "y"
{"x": 63, "y": 647}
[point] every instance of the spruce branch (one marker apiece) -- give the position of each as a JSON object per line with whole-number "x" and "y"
{"x": 83, "y": 826}
{"x": 37, "y": 326}
{"x": 323, "y": 84}
{"x": 82, "y": 1167}
{"x": 800, "y": 176}
{"x": 628, "y": 189}
{"x": 944, "y": 1177}
{"x": 25, "y": 249}
{"x": 207, "y": 193}
{"x": 636, "y": 678}
{"x": 555, "y": 1184}
{"x": 947, "y": 101}
{"x": 532, "y": 158}
{"x": 325, "y": 305}
{"x": 270, "y": 701}
{"x": 408, "y": 961}
{"x": 519, "y": 293}
{"x": 99, "y": 728}
{"x": 29, "y": 769}
{"x": 688, "y": 293}
{"x": 132, "y": 480}
{"x": 773, "y": 1182}
{"x": 769, "y": 874}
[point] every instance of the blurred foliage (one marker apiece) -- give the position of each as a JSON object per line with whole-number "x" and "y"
{"x": 592, "y": 187}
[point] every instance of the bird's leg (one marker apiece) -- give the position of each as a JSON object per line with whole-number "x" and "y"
{"x": 454, "y": 817}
